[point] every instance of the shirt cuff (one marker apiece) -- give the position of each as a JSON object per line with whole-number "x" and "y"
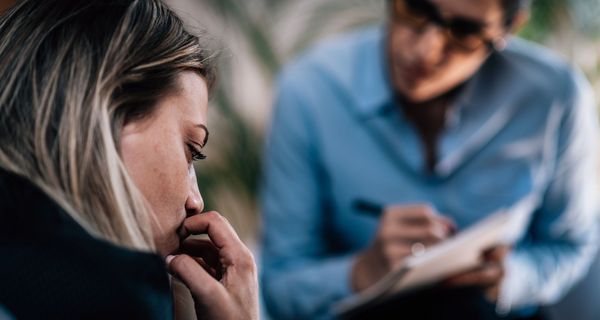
{"x": 515, "y": 291}
{"x": 339, "y": 270}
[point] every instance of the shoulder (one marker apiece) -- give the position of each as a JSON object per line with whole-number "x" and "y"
{"x": 542, "y": 71}
{"x": 551, "y": 87}
{"x": 334, "y": 61}
{"x": 331, "y": 78}
{"x": 52, "y": 268}
{"x": 73, "y": 277}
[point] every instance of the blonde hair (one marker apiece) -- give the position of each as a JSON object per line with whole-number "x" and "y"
{"x": 73, "y": 72}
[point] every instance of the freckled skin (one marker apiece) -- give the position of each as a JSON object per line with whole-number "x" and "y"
{"x": 156, "y": 154}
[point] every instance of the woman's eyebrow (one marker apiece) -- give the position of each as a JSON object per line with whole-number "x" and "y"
{"x": 201, "y": 126}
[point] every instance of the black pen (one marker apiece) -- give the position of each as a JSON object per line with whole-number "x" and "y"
{"x": 368, "y": 207}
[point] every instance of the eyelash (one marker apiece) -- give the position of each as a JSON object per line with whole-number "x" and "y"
{"x": 196, "y": 154}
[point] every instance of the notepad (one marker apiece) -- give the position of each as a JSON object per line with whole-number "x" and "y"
{"x": 453, "y": 256}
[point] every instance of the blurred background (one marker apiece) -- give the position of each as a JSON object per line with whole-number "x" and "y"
{"x": 253, "y": 39}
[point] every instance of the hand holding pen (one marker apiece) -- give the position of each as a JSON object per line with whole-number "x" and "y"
{"x": 403, "y": 230}
{"x": 488, "y": 275}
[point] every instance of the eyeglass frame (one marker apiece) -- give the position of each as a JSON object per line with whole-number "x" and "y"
{"x": 435, "y": 18}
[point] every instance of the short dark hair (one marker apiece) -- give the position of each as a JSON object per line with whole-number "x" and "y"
{"x": 511, "y": 8}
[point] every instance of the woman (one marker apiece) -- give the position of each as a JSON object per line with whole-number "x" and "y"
{"x": 102, "y": 114}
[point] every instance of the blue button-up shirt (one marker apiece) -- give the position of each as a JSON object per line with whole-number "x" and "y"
{"x": 523, "y": 127}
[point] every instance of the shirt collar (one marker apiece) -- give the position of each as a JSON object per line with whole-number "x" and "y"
{"x": 373, "y": 91}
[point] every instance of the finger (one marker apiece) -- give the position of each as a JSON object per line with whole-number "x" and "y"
{"x": 418, "y": 215}
{"x": 489, "y": 275}
{"x": 410, "y": 213}
{"x": 492, "y": 293}
{"x": 202, "y": 286}
{"x": 209, "y": 269}
{"x": 201, "y": 248}
{"x": 484, "y": 277}
{"x": 412, "y": 233}
{"x": 221, "y": 234}
{"x": 395, "y": 253}
{"x": 496, "y": 254}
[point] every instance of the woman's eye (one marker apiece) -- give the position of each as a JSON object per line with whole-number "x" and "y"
{"x": 196, "y": 154}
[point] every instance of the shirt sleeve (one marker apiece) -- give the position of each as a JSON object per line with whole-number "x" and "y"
{"x": 301, "y": 276}
{"x": 562, "y": 237}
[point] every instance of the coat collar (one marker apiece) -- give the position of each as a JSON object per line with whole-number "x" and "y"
{"x": 26, "y": 210}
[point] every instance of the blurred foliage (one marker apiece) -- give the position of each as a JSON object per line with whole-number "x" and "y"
{"x": 267, "y": 34}
{"x": 542, "y": 18}
{"x": 546, "y": 15}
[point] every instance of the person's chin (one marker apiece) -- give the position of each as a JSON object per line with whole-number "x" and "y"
{"x": 168, "y": 245}
{"x": 421, "y": 96}
{"x": 416, "y": 92}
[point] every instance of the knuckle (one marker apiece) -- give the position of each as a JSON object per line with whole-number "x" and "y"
{"x": 403, "y": 210}
{"x": 394, "y": 213}
{"x": 490, "y": 274}
{"x": 393, "y": 209}
{"x": 246, "y": 259}
{"x": 213, "y": 215}
{"x": 425, "y": 210}
{"x": 248, "y": 264}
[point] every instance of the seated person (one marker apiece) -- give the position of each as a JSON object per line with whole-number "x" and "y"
{"x": 103, "y": 112}
{"x": 441, "y": 118}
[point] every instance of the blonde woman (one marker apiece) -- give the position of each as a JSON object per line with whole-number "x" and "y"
{"x": 102, "y": 113}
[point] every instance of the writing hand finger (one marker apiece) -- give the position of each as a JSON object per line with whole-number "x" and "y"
{"x": 496, "y": 254}
{"x": 423, "y": 215}
{"x": 488, "y": 275}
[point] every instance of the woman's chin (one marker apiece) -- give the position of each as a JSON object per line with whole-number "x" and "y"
{"x": 168, "y": 246}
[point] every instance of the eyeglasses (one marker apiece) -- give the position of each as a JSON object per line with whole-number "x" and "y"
{"x": 464, "y": 33}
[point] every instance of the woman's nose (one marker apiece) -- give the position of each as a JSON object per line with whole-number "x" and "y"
{"x": 194, "y": 203}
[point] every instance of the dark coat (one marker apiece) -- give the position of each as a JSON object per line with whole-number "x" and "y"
{"x": 51, "y": 268}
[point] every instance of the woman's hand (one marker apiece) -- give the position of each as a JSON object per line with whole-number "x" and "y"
{"x": 488, "y": 276}
{"x": 402, "y": 231}
{"x": 220, "y": 273}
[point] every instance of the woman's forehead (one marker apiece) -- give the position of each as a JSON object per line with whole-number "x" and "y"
{"x": 192, "y": 95}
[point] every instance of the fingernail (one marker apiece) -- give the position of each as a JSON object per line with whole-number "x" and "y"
{"x": 169, "y": 258}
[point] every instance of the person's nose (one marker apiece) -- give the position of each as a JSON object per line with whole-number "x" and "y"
{"x": 194, "y": 203}
{"x": 430, "y": 45}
